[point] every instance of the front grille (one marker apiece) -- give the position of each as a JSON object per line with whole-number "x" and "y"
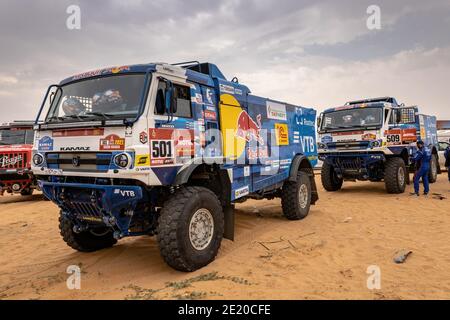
{"x": 351, "y": 145}
{"x": 79, "y": 161}
{"x": 87, "y": 211}
{"x": 13, "y": 160}
{"x": 351, "y": 164}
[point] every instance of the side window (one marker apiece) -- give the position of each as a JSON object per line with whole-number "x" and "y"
{"x": 182, "y": 95}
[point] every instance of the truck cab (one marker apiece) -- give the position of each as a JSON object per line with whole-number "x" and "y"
{"x": 373, "y": 140}
{"x": 16, "y": 142}
{"x": 167, "y": 150}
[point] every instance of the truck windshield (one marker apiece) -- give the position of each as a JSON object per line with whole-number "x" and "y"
{"x": 11, "y": 137}
{"x": 352, "y": 118}
{"x": 112, "y": 97}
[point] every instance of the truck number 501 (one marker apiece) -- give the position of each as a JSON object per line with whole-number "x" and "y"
{"x": 162, "y": 149}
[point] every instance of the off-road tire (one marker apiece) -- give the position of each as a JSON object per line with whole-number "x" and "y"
{"x": 432, "y": 176}
{"x": 84, "y": 241}
{"x": 174, "y": 224}
{"x": 26, "y": 192}
{"x": 392, "y": 175}
{"x": 290, "y": 197}
{"x": 330, "y": 181}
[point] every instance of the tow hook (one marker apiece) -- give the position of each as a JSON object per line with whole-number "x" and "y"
{"x": 118, "y": 235}
{"x": 79, "y": 229}
{"x": 110, "y": 221}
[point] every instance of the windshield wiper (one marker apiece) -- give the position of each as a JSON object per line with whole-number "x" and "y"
{"x": 106, "y": 116}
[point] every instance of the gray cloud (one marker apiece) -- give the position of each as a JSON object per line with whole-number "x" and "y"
{"x": 306, "y": 52}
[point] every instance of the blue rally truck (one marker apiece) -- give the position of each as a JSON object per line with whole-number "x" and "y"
{"x": 167, "y": 150}
{"x": 374, "y": 140}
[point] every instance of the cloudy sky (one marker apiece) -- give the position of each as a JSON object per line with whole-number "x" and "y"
{"x": 311, "y": 53}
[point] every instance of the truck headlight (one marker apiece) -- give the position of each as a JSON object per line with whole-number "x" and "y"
{"x": 38, "y": 159}
{"x": 322, "y": 145}
{"x": 122, "y": 160}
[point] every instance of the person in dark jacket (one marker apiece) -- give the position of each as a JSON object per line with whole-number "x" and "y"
{"x": 447, "y": 159}
{"x": 422, "y": 161}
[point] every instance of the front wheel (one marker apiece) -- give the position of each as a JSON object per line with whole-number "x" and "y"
{"x": 85, "y": 241}
{"x": 190, "y": 228}
{"x": 330, "y": 180}
{"x": 433, "y": 174}
{"x": 395, "y": 175}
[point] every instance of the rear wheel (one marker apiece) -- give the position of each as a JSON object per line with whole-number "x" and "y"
{"x": 26, "y": 192}
{"x": 296, "y": 197}
{"x": 395, "y": 175}
{"x": 330, "y": 180}
{"x": 190, "y": 228}
{"x": 433, "y": 174}
{"x": 85, "y": 241}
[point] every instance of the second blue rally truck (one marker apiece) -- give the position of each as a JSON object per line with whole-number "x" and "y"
{"x": 167, "y": 150}
{"x": 374, "y": 140}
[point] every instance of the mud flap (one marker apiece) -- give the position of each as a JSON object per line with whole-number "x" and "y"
{"x": 228, "y": 215}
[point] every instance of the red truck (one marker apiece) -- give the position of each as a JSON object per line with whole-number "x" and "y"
{"x": 16, "y": 142}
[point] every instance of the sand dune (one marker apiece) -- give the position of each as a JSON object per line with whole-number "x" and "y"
{"x": 325, "y": 256}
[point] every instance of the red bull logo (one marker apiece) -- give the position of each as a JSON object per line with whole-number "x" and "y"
{"x": 248, "y": 129}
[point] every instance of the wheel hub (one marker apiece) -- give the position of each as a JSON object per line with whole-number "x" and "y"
{"x": 303, "y": 196}
{"x": 401, "y": 176}
{"x": 201, "y": 229}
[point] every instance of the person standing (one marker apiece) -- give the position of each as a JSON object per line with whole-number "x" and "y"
{"x": 447, "y": 159}
{"x": 422, "y": 161}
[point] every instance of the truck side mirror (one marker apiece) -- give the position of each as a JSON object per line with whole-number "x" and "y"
{"x": 170, "y": 100}
{"x": 160, "y": 102}
{"x": 319, "y": 122}
{"x": 398, "y": 116}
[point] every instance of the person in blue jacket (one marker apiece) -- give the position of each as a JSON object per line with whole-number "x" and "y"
{"x": 447, "y": 160}
{"x": 422, "y": 161}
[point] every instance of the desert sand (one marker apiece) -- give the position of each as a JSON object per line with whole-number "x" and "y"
{"x": 324, "y": 256}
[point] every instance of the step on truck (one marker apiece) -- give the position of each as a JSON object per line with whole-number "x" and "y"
{"x": 167, "y": 150}
{"x": 374, "y": 140}
{"x": 16, "y": 143}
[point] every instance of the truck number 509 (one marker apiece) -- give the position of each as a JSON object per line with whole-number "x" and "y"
{"x": 162, "y": 149}
{"x": 393, "y": 138}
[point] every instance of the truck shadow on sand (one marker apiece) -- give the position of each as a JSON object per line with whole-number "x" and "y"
{"x": 370, "y": 187}
{"x": 142, "y": 253}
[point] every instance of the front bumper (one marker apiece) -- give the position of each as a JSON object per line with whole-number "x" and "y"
{"x": 89, "y": 204}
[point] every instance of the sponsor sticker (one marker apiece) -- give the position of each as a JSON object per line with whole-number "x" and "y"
{"x": 125, "y": 193}
{"x": 166, "y": 145}
{"x": 276, "y": 111}
{"x": 143, "y": 137}
{"x": 53, "y": 172}
{"x": 227, "y": 89}
{"x": 197, "y": 99}
{"x": 326, "y": 139}
{"x": 369, "y": 136}
{"x": 241, "y": 192}
{"x": 6, "y": 161}
{"x": 45, "y": 144}
{"x": 142, "y": 160}
{"x": 282, "y": 134}
{"x": 210, "y": 115}
{"x": 112, "y": 142}
{"x": 209, "y": 96}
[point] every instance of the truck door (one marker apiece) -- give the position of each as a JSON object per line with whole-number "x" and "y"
{"x": 171, "y": 141}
